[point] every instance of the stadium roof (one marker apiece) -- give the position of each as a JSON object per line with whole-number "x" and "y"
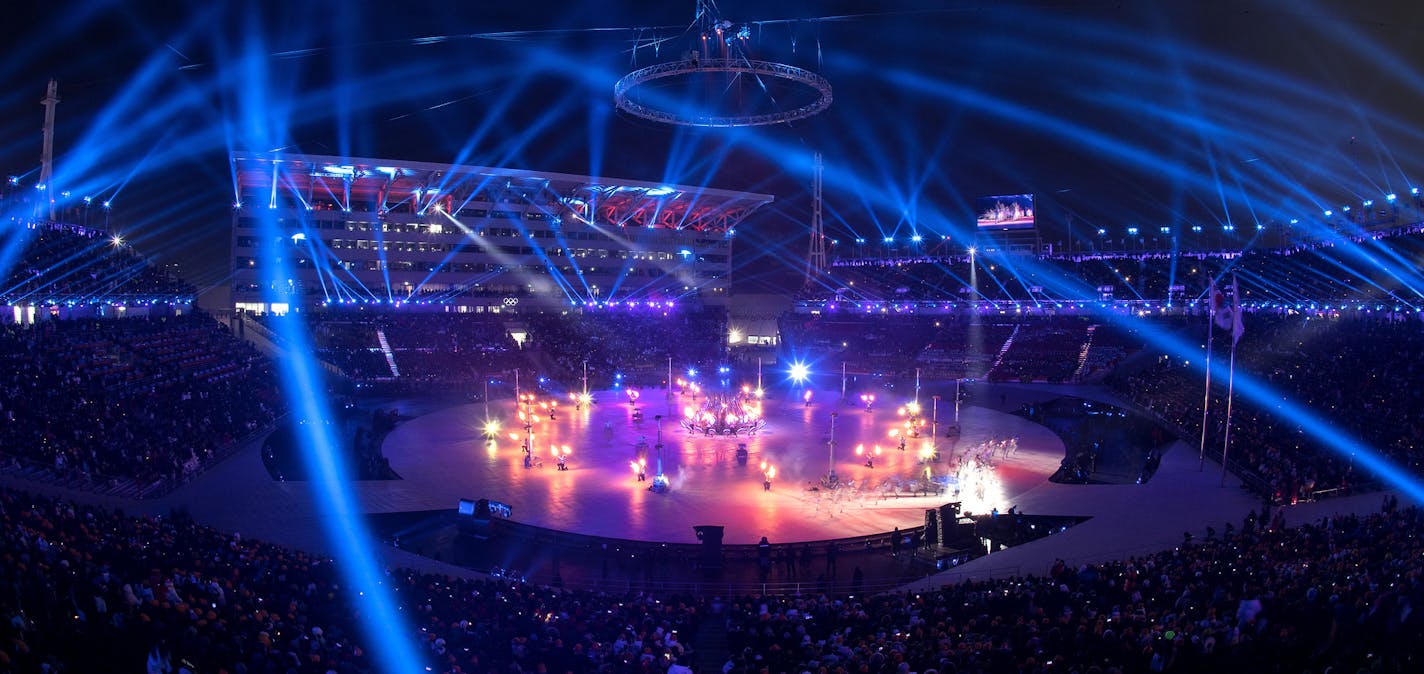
{"x": 389, "y": 183}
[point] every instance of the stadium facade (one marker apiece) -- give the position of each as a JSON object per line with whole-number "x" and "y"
{"x": 355, "y": 231}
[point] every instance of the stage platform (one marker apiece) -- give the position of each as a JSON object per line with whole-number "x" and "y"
{"x": 439, "y": 451}
{"x": 445, "y": 456}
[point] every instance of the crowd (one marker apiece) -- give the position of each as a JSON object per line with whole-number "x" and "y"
{"x": 1355, "y": 371}
{"x": 134, "y": 406}
{"x": 634, "y": 343}
{"x": 1321, "y": 272}
{"x": 1045, "y": 349}
{"x": 1332, "y": 595}
{"x": 451, "y": 351}
{"x": 68, "y": 263}
{"x": 88, "y": 589}
{"x": 994, "y": 347}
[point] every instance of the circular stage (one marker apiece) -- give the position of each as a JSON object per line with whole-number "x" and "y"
{"x": 447, "y": 457}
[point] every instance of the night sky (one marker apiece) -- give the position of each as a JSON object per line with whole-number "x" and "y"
{"x": 1114, "y": 114}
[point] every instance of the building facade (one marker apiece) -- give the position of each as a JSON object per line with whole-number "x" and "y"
{"x": 311, "y": 231}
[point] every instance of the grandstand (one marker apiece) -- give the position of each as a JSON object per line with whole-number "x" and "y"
{"x": 461, "y": 419}
{"x": 1333, "y": 272}
{"x": 76, "y": 271}
{"x": 83, "y": 391}
{"x": 471, "y": 238}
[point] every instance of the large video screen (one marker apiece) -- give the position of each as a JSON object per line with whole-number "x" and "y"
{"x": 1009, "y": 211}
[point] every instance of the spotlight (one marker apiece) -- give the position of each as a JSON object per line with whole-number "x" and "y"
{"x": 800, "y": 372}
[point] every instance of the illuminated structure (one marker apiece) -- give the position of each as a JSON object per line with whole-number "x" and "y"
{"x": 478, "y": 239}
{"x": 778, "y": 93}
{"x": 725, "y": 414}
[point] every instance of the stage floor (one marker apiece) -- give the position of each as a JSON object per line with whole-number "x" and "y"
{"x": 446, "y": 456}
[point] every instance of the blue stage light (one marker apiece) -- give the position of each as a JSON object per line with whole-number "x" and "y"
{"x": 800, "y": 372}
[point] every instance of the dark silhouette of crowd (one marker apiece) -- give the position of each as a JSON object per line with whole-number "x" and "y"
{"x": 133, "y": 406}
{"x": 88, "y": 589}
{"x": 1337, "y": 593}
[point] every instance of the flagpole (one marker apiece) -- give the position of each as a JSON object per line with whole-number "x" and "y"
{"x": 1230, "y": 387}
{"x": 1206, "y": 397}
{"x": 1231, "y": 369}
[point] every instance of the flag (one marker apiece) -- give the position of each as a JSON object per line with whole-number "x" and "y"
{"x": 1237, "y": 328}
{"x": 1220, "y": 313}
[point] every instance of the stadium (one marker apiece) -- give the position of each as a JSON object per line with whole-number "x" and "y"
{"x": 309, "y": 369}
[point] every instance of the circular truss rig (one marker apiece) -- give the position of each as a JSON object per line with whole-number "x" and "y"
{"x": 629, "y": 83}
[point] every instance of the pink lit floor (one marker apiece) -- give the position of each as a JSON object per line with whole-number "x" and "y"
{"x": 445, "y": 456}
